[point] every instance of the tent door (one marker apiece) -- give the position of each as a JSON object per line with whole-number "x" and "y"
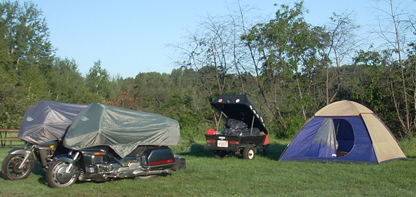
{"x": 345, "y": 136}
{"x": 324, "y": 143}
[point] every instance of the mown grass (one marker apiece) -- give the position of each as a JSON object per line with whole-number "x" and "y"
{"x": 232, "y": 176}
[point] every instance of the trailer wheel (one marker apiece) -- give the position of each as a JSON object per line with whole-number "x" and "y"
{"x": 249, "y": 152}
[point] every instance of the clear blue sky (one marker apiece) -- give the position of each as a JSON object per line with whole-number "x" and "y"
{"x": 131, "y": 36}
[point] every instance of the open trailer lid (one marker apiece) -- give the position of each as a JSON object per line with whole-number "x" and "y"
{"x": 240, "y": 108}
{"x": 121, "y": 129}
{"x": 47, "y": 121}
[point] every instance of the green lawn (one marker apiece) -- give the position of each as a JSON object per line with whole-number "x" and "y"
{"x": 232, "y": 176}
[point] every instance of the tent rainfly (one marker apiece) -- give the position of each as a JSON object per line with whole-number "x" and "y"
{"x": 344, "y": 131}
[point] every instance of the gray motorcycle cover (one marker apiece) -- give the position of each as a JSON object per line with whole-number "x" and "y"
{"x": 47, "y": 121}
{"x": 121, "y": 129}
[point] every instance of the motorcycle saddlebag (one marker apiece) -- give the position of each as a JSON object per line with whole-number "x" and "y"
{"x": 160, "y": 157}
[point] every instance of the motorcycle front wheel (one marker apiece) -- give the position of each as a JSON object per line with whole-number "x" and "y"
{"x": 11, "y": 170}
{"x": 57, "y": 177}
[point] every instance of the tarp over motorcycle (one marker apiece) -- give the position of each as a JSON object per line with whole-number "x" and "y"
{"x": 121, "y": 129}
{"x": 47, "y": 121}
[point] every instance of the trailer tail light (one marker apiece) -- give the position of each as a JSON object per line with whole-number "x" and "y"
{"x": 162, "y": 162}
{"x": 266, "y": 140}
{"x": 211, "y": 141}
{"x": 234, "y": 142}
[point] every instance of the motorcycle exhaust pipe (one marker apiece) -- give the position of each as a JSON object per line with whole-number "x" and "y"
{"x": 143, "y": 173}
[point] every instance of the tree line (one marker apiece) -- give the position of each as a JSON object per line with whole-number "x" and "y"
{"x": 287, "y": 67}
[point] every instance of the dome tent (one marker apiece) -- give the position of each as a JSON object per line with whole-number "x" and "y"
{"x": 345, "y": 131}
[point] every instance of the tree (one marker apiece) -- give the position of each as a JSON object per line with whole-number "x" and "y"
{"x": 26, "y": 57}
{"x": 127, "y": 94}
{"x": 216, "y": 50}
{"x": 98, "y": 82}
{"x": 66, "y": 84}
{"x": 341, "y": 42}
{"x": 394, "y": 30}
{"x": 285, "y": 56}
{"x": 208, "y": 51}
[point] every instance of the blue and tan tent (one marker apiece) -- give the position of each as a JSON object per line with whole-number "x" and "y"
{"x": 345, "y": 131}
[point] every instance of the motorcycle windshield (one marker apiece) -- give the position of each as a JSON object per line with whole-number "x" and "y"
{"x": 121, "y": 129}
{"x": 47, "y": 121}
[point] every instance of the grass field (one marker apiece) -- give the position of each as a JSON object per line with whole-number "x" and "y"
{"x": 232, "y": 176}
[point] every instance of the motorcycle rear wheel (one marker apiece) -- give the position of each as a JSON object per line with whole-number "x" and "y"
{"x": 57, "y": 177}
{"x": 10, "y": 167}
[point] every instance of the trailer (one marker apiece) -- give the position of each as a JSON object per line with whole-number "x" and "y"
{"x": 244, "y": 132}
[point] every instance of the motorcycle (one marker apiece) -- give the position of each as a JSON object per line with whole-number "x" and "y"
{"x": 43, "y": 125}
{"x": 101, "y": 163}
{"x": 108, "y": 142}
{"x": 20, "y": 162}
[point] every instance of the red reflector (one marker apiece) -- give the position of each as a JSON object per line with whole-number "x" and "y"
{"x": 210, "y": 141}
{"x": 162, "y": 162}
{"x": 211, "y": 132}
{"x": 233, "y": 142}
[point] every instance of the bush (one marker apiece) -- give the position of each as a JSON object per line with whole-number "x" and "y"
{"x": 408, "y": 146}
{"x": 293, "y": 125}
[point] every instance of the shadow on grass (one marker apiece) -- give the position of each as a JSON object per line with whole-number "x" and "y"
{"x": 38, "y": 169}
{"x": 198, "y": 150}
{"x": 41, "y": 172}
{"x": 275, "y": 151}
{"x": 42, "y": 180}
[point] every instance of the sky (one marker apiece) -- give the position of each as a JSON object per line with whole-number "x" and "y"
{"x": 131, "y": 36}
